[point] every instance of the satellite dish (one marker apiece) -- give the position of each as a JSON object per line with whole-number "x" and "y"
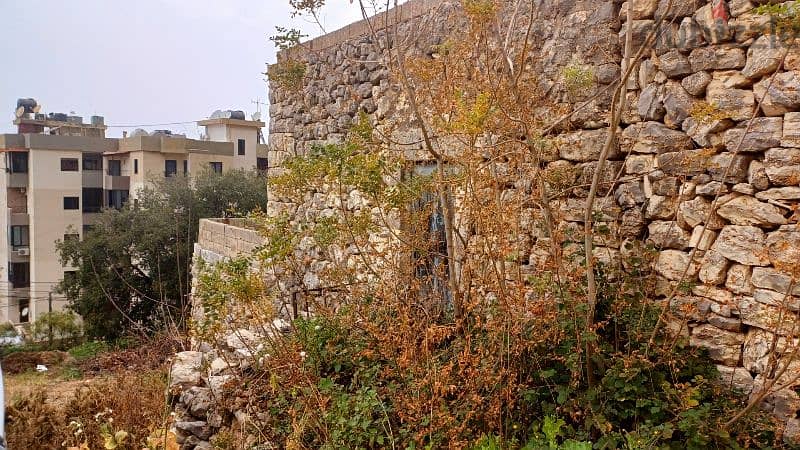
{"x": 257, "y": 116}
{"x": 20, "y": 112}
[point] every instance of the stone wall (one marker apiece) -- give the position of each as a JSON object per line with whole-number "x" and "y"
{"x": 686, "y": 143}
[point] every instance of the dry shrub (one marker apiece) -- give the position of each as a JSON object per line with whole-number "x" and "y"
{"x": 134, "y": 400}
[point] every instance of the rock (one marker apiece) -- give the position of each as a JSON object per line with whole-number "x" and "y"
{"x": 755, "y": 351}
{"x": 706, "y": 133}
{"x": 736, "y": 378}
{"x": 690, "y": 35}
{"x": 198, "y": 401}
{"x": 717, "y": 58}
{"x": 781, "y": 93}
{"x": 764, "y": 133}
{"x": 713, "y": 268}
{"x": 695, "y": 84}
{"x": 684, "y": 163}
{"x": 729, "y": 168}
{"x": 714, "y": 24}
{"x": 217, "y": 365}
{"x": 672, "y": 264}
{"x": 725, "y": 323}
{"x": 782, "y": 193}
{"x": 731, "y": 79}
{"x": 718, "y": 295}
{"x": 750, "y": 26}
{"x": 694, "y": 212}
{"x": 630, "y": 194}
{"x": 242, "y": 339}
{"x": 746, "y": 210}
{"x": 217, "y": 384}
{"x": 776, "y": 299}
{"x": 791, "y": 432}
{"x": 660, "y": 207}
{"x": 764, "y": 56}
{"x": 585, "y": 145}
{"x": 791, "y": 130}
{"x": 736, "y": 104}
{"x": 199, "y": 429}
{"x": 701, "y": 238}
{"x": 766, "y": 317}
{"x": 743, "y": 244}
{"x": 640, "y": 9}
{"x": 674, "y": 64}
{"x": 782, "y": 166}
{"x": 639, "y": 164}
{"x": 723, "y": 346}
{"x": 757, "y": 175}
{"x": 712, "y": 189}
{"x": 738, "y": 279}
{"x": 690, "y": 308}
{"x": 667, "y": 186}
{"x": 632, "y": 222}
{"x": 744, "y": 188}
{"x": 663, "y": 234}
{"x": 186, "y": 370}
{"x": 784, "y": 248}
{"x": 677, "y": 103}
{"x": 650, "y": 105}
{"x": 671, "y": 9}
{"x": 653, "y": 137}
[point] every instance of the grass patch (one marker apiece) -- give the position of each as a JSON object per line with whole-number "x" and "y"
{"x": 88, "y": 349}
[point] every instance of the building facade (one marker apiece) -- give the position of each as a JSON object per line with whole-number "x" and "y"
{"x": 60, "y": 173}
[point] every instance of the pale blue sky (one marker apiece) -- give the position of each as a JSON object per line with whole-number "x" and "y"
{"x": 143, "y": 61}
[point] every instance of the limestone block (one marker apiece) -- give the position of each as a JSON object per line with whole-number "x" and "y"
{"x": 689, "y": 35}
{"x": 585, "y": 145}
{"x": 766, "y": 317}
{"x": 706, "y": 133}
{"x": 694, "y": 212}
{"x": 671, "y": 264}
{"x": 653, "y": 137}
{"x": 714, "y": 23}
{"x": 650, "y": 104}
{"x": 764, "y": 56}
{"x": 713, "y": 268}
{"x": 757, "y": 175}
{"x": 695, "y": 84}
{"x": 763, "y": 133}
{"x": 746, "y": 210}
{"x": 674, "y": 64}
{"x": 701, "y": 238}
{"x": 738, "y": 104}
{"x": 723, "y": 346}
{"x": 791, "y": 130}
{"x": 677, "y": 103}
{"x": 738, "y": 279}
{"x": 640, "y": 9}
{"x": 728, "y": 167}
{"x": 784, "y": 248}
{"x": 743, "y": 244}
{"x": 781, "y": 93}
{"x": 737, "y": 378}
{"x": 782, "y": 166}
{"x": 664, "y": 234}
{"x": 782, "y": 193}
{"x": 684, "y": 163}
{"x": 185, "y": 371}
{"x": 661, "y": 207}
{"x": 717, "y": 57}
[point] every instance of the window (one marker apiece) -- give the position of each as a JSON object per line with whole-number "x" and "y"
{"x": 19, "y": 162}
{"x": 216, "y": 167}
{"x": 72, "y": 237}
{"x": 20, "y": 236}
{"x": 135, "y": 166}
{"x": 262, "y": 164}
{"x": 70, "y": 276}
{"x": 92, "y": 161}
{"x": 185, "y": 167}
{"x": 72, "y": 203}
{"x": 24, "y": 310}
{"x": 92, "y": 200}
{"x": 69, "y": 164}
{"x": 19, "y": 275}
{"x": 241, "y": 146}
{"x": 114, "y": 167}
{"x": 117, "y": 198}
{"x": 170, "y": 167}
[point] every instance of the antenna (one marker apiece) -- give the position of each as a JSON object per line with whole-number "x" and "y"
{"x": 257, "y": 116}
{"x": 258, "y": 104}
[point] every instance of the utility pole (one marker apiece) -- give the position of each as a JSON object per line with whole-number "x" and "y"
{"x": 50, "y": 319}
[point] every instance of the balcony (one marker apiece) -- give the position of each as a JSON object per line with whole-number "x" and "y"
{"x": 117, "y": 179}
{"x": 17, "y": 180}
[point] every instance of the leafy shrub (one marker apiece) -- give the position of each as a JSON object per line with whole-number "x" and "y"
{"x": 59, "y": 328}
{"x": 88, "y": 349}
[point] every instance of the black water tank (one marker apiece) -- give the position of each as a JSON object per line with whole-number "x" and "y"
{"x": 237, "y": 115}
{"x": 28, "y": 103}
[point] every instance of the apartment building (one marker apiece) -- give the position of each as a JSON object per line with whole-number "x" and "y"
{"x": 61, "y": 172}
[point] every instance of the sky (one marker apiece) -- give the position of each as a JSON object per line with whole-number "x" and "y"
{"x": 141, "y": 62}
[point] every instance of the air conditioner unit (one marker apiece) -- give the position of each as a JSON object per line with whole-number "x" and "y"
{"x": 24, "y": 251}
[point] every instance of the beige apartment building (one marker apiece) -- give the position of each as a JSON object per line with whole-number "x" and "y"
{"x": 60, "y": 173}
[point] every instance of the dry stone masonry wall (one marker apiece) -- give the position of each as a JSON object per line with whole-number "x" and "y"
{"x": 707, "y": 163}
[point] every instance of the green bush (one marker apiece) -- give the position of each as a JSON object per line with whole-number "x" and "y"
{"x": 88, "y": 350}
{"x": 58, "y": 328}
